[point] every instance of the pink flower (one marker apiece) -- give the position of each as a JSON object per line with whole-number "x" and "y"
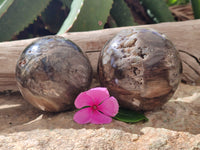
{"x": 97, "y": 107}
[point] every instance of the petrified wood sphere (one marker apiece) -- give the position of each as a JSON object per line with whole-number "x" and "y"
{"x": 141, "y": 68}
{"x": 51, "y": 72}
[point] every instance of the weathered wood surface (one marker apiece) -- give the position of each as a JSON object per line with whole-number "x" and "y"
{"x": 185, "y": 36}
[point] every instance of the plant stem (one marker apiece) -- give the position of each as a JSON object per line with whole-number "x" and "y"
{"x": 196, "y": 8}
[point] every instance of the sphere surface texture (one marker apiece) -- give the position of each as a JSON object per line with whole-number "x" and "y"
{"x": 141, "y": 68}
{"x": 51, "y": 72}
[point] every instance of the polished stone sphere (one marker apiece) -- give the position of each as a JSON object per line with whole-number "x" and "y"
{"x": 51, "y": 72}
{"x": 141, "y": 68}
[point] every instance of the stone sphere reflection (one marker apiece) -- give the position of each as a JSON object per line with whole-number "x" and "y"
{"x": 51, "y": 72}
{"x": 141, "y": 68}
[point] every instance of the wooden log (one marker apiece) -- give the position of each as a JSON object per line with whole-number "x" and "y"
{"x": 185, "y": 36}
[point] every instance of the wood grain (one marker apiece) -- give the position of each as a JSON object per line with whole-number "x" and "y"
{"x": 185, "y": 36}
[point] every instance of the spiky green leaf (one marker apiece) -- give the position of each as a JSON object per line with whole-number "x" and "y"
{"x": 196, "y": 8}
{"x": 54, "y": 15}
{"x": 93, "y": 15}
{"x": 158, "y": 10}
{"x": 74, "y": 12}
{"x": 130, "y": 116}
{"x": 19, "y": 15}
{"x": 4, "y": 5}
{"x": 121, "y": 13}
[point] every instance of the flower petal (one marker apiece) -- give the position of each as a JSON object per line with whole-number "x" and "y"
{"x": 109, "y": 107}
{"x": 83, "y": 100}
{"x": 99, "y": 118}
{"x": 98, "y": 94}
{"x": 83, "y": 116}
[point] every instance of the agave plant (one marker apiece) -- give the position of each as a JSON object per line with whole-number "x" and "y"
{"x": 60, "y": 16}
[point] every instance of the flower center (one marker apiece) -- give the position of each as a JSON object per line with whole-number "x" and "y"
{"x": 94, "y": 107}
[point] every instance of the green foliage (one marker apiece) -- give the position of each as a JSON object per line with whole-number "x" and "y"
{"x": 19, "y": 15}
{"x": 54, "y": 15}
{"x": 93, "y": 16}
{"x": 4, "y": 4}
{"x": 130, "y": 116}
{"x": 74, "y": 12}
{"x": 80, "y": 15}
{"x": 158, "y": 10}
{"x": 177, "y": 2}
{"x": 121, "y": 13}
{"x": 196, "y": 8}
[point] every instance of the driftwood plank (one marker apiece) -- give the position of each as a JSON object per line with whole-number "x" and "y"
{"x": 185, "y": 36}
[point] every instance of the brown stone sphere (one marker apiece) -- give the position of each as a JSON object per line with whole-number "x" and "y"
{"x": 51, "y": 72}
{"x": 141, "y": 68}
